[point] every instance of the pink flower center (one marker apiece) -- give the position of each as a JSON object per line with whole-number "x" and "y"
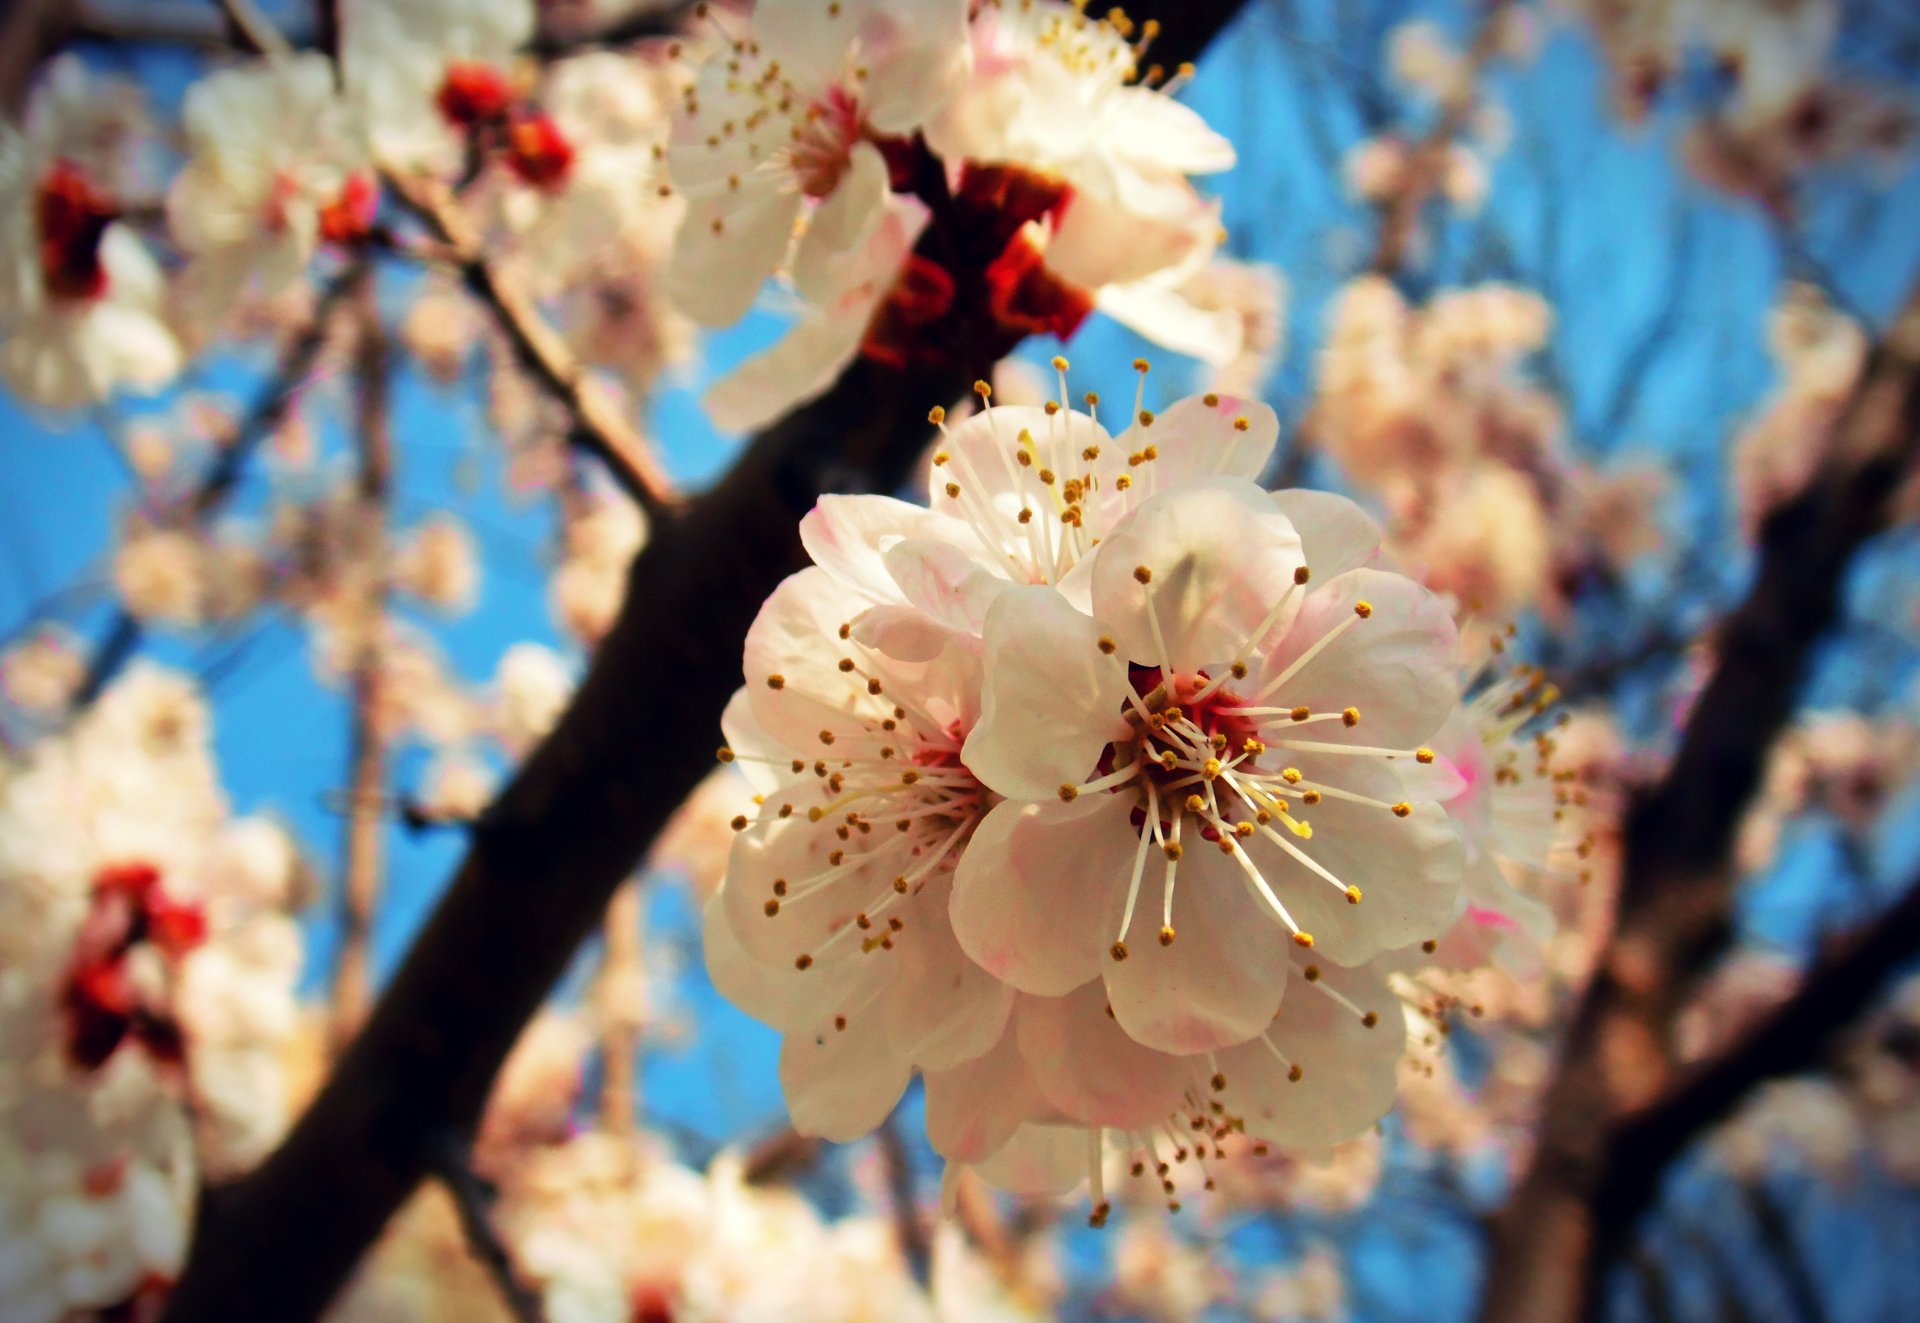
{"x": 473, "y": 93}
{"x": 72, "y": 216}
{"x": 103, "y": 1007}
{"x": 823, "y": 142}
{"x": 349, "y": 217}
{"x": 538, "y": 152}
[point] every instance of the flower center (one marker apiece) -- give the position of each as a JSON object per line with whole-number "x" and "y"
{"x": 823, "y": 141}
{"x": 72, "y": 216}
{"x": 348, "y": 218}
{"x": 103, "y": 1004}
{"x": 537, "y": 151}
{"x": 473, "y": 93}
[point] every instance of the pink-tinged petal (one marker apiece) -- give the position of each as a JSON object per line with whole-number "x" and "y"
{"x": 1408, "y": 870}
{"x": 809, "y": 38}
{"x": 790, "y": 1000}
{"x": 1087, "y": 1066}
{"x": 918, "y": 56}
{"x": 1494, "y": 902}
{"x": 841, "y": 1077}
{"x": 943, "y": 1008}
{"x": 1051, "y": 700}
{"x": 902, "y": 633}
{"x": 792, "y": 662}
{"x": 1218, "y": 565}
{"x": 785, "y": 897}
{"x": 975, "y": 1107}
{"x": 761, "y": 759}
{"x": 1233, "y": 437}
{"x": 840, "y": 227}
{"x": 1397, "y": 665}
{"x": 1348, "y": 1072}
{"x": 849, "y": 536}
{"x": 945, "y": 580}
{"x": 1336, "y": 534}
{"x": 716, "y": 273}
{"x": 1040, "y": 1160}
{"x": 978, "y": 476}
{"x": 1031, "y": 891}
{"x": 1220, "y": 981}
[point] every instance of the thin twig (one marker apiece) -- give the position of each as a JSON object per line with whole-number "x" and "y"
{"x": 473, "y": 1198}
{"x": 1427, "y": 162}
{"x": 908, "y": 1227}
{"x": 620, "y": 972}
{"x": 600, "y": 425}
{"x": 367, "y": 757}
{"x": 269, "y": 411}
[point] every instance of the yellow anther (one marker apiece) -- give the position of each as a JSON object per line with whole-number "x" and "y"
{"x": 1363, "y": 609}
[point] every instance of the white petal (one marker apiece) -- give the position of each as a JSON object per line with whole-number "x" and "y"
{"x": 848, "y": 536}
{"x": 1173, "y": 321}
{"x": 714, "y": 277}
{"x": 1230, "y": 438}
{"x": 1336, "y": 534}
{"x": 1167, "y": 137}
{"x": 1396, "y": 665}
{"x": 943, "y": 1008}
{"x": 974, "y": 1108}
{"x": 1408, "y": 871}
{"x": 1347, "y": 1071}
{"x": 1052, "y": 700}
{"x": 1220, "y": 981}
{"x": 1088, "y": 1068}
{"x": 1049, "y": 1160}
{"x": 842, "y": 1082}
{"x": 840, "y": 226}
{"x": 1219, "y": 561}
{"x": 1030, "y": 895}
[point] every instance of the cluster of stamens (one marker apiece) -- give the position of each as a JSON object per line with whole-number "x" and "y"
{"x": 892, "y": 792}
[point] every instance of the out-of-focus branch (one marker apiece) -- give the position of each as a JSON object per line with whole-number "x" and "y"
{"x": 1427, "y": 162}
{"x": 780, "y": 1155}
{"x": 909, "y": 1230}
{"x": 1577, "y": 1203}
{"x": 1796, "y": 1036}
{"x": 367, "y": 758}
{"x": 269, "y": 411}
{"x": 600, "y": 425}
{"x": 473, "y": 1200}
{"x": 30, "y": 31}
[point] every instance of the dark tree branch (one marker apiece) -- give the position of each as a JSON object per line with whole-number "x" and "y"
{"x": 1575, "y": 1206}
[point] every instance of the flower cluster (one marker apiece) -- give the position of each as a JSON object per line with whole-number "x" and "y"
{"x": 1431, "y": 410}
{"x": 149, "y": 995}
{"x": 899, "y": 161}
{"x": 1106, "y": 793}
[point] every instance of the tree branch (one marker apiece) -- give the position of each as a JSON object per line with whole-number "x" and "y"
{"x": 909, "y": 1231}
{"x": 601, "y": 426}
{"x": 1427, "y": 164}
{"x": 367, "y": 758}
{"x": 1576, "y": 1203}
